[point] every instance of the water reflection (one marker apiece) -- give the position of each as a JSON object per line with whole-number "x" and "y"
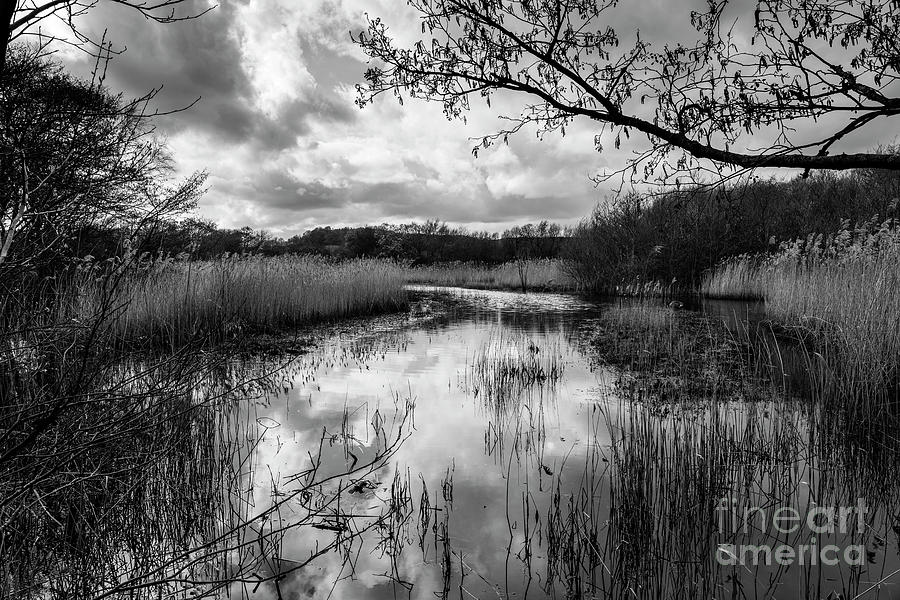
{"x": 531, "y": 466}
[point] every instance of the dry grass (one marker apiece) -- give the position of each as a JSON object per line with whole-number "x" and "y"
{"x": 738, "y": 279}
{"x": 842, "y": 289}
{"x": 172, "y": 302}
{"x": 541, "y": 275}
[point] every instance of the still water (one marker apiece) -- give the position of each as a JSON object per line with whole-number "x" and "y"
{"x": 496, "y": 452}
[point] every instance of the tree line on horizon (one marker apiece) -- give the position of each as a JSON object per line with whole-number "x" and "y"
{"x": 672, "y": 237}
{"x": 427, "y": 242}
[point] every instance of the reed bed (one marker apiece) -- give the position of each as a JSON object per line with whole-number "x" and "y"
{"x": 679, "y": 485}
{"x": 666, "y": 356}
{"x": 128, "y": 474}
{"x": 838, "y": 291}
{"x": 172, "y": 302}
{"x": 655, "y": 508}
{"x": 540, "y": 275}
{"x": 508, "y": 365}
{"x": 736, "y": 279}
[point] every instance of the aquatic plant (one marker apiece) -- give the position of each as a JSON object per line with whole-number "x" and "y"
{"x": 507, "y": 365}
{"x": 542, "y": 275}
{"x": 650, "y": 513}
{"x": 125, "y": 471}
{"x": 664, "y": 356}
{"x": 151, "y": 486}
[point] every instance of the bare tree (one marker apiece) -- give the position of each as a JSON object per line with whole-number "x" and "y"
{"x": 72, "y": 154}
{"x": 19, "y": 18}
{"x": 531, "y": 241}
{"x": 762, "y": 73}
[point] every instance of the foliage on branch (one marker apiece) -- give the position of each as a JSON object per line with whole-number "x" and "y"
{"x": 744, "y": 74}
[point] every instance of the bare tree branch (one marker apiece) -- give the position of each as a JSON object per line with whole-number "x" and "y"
{"x": 23, "y": 17}
{"x": 834, "y": 63}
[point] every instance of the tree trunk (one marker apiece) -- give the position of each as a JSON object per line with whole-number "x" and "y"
{"x": 7, "y": 11}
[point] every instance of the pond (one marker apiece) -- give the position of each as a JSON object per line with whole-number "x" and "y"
{"x": 502, "y": 445}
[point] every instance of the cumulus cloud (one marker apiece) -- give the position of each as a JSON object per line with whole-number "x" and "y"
{"x": 286, "y": 147}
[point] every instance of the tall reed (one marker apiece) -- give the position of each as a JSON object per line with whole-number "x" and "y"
{"x": 841, "y": 289}
{"x": 171, "y": 302}
{"x": 540, "y": 275}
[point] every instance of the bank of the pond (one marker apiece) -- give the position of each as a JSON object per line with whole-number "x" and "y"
{"x": 838, "y": 293}
{"x": 170, "y": 303}
{"x": 835, "y": 294}
{"x": 529, "y": 275}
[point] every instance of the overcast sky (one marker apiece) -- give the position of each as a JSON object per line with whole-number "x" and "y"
{"x": 287, "y": 149}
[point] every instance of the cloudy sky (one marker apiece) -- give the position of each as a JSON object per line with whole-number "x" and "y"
{"x": 287, "y": 149}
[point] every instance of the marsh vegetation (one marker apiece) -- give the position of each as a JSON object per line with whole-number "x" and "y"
{"x": 532, "y": 274}
{"x": 532, "y": 444}
{"x": 195, "y": 412}
{"x": 172, "y": 302}
{"x": 570, "y": 449}
{"x": 838, "y": 294}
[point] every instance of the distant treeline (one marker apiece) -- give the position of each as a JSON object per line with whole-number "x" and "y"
{"x": 672, "y": 238}
{"x": 637, "y": 242}
{"x": 420, "y": 243}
